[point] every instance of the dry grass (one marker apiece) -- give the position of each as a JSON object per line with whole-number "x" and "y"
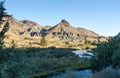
{"x": 24, "y": 41}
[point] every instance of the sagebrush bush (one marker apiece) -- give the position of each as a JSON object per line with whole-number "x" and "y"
{"x": 108, "y": 73}
{"x": 21, "y": 62}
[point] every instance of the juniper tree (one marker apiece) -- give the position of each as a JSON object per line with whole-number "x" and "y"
{"x": 4, "y": 24}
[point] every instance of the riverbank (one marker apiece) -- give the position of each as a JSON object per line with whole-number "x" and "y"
{"x": 50, "y": 74}
{"x": 74, "y": 62}
{"x": 74, "y": 74}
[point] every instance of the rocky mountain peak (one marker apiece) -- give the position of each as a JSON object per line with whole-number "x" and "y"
{"x": 65, "y": 22}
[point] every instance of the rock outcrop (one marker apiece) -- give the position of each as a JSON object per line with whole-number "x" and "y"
{"x": 24, "y": 28}
{"x": 61, "y": 34}
{"x": 64, "y": 30}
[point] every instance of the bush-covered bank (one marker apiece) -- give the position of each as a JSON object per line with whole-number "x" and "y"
{"x": 57, "y": 72}
{"x": 25, "y": 62}
{"x": 108, "y": 72}
{"x": 107, "y": 54}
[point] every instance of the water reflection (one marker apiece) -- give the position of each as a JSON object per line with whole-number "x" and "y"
{"x": 74, "y": 74}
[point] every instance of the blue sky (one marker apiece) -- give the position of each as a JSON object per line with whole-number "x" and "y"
{"x": 100, "y": 16}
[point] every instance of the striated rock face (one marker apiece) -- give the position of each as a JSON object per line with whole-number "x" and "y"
{"x": 64, "y": 30}
{"x": 16, "y": 27}
{"x": 33, "y": 28}
{"x": 28, "y": 31}
{"x": 26, "y": 28}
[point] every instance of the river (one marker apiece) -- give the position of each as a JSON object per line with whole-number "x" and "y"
{"x": 74, "y": 74}
{"x": 83, "y": 53}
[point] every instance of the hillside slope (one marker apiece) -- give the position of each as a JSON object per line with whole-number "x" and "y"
{"x": 27, "y": 32}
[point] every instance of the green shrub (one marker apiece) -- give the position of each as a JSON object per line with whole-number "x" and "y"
{"x": 116, "y": 59}
{"x": 32, "y": 61}
{"x": 108, "y": 73}
{"x": 67, "y": 43}
{"x": 43, "y": 42}
{"x": 106, "y": 54}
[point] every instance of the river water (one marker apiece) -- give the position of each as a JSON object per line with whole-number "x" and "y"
{"x": 74, "y": 74}
{"x": 83, "y": 53}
